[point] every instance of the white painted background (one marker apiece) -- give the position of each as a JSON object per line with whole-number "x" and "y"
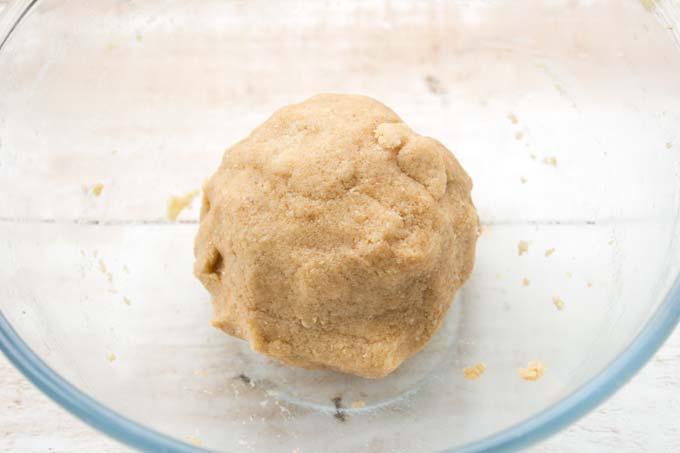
{"x": 642, "y": 417}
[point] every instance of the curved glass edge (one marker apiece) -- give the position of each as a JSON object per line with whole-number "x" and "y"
{"x": 520, "y": 436}
{"x": 594, "y": 392}
{"x": 41, "y": 375}
{"x": 10, "y": 17}
{"x": 82, "y": 406}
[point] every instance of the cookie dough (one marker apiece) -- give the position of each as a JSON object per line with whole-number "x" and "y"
{"x": 532, "y": 372}
{"x": 336, "y": 237}
{"x": 178, "y": 203}
{"x": 472, "y": 373}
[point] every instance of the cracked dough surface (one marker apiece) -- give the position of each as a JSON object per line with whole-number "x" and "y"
{"x": 336, "y": 237}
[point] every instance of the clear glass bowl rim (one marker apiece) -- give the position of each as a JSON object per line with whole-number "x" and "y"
{"x": 528, "y": 432}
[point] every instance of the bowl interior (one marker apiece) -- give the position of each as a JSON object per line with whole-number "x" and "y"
{"x": 565, "y": 114}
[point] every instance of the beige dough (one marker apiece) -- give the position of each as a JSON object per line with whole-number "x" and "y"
{"x": 336, "y": 237}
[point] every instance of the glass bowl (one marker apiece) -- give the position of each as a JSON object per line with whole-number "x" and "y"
{"x": 565, "y": 113}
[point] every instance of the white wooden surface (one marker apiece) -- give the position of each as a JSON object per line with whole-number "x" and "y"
{"x": 642, "y": 417}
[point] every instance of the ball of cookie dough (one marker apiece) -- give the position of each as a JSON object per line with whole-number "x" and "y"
{"x": 336, "y": 237}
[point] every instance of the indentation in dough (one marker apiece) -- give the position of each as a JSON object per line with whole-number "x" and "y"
{"x": 420, "y": 159}
{"x": 218, "y": 265}
{"x": 214, "y": 263}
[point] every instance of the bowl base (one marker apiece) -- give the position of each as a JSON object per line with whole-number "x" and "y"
{"x": 330, "y": 391}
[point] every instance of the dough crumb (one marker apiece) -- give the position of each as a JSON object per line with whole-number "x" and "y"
{"x": 194, "y": 440}
{"x": 111, "y": 357}
{"x": 522, "y": 247}
{"x": 589, "y": 284}
{"x": 178, "y": 203}
{"x": 526, "y": 282}
{"x": 551, "y": 160}
{"x": 499, "y": 276}
{"x": 649, "y": 5}
{"x": 522, "y": 179}
{"x": 474, "y": 372}
{"x": 549, "y": 251}
{"x": 126, "y": 301}
{"x": 533, "y": 156}
{"x": 102, "y": 266}
{"x": 97, "y": 189}
{"x": 519, "y": 135}
{"x": 512, "y": 118}
{"x": 200, "y": 373}
{"x": 669, "y": 145}
{"x": 558, "y": 303}
{"x": 358, "y": 404}
{"x": 296, "y": 450}
{"x": 125, "y": 269}
{"x": 532, "y": 372}
{"x": 611, "y": 242}
{"x": 568, "y": 274}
